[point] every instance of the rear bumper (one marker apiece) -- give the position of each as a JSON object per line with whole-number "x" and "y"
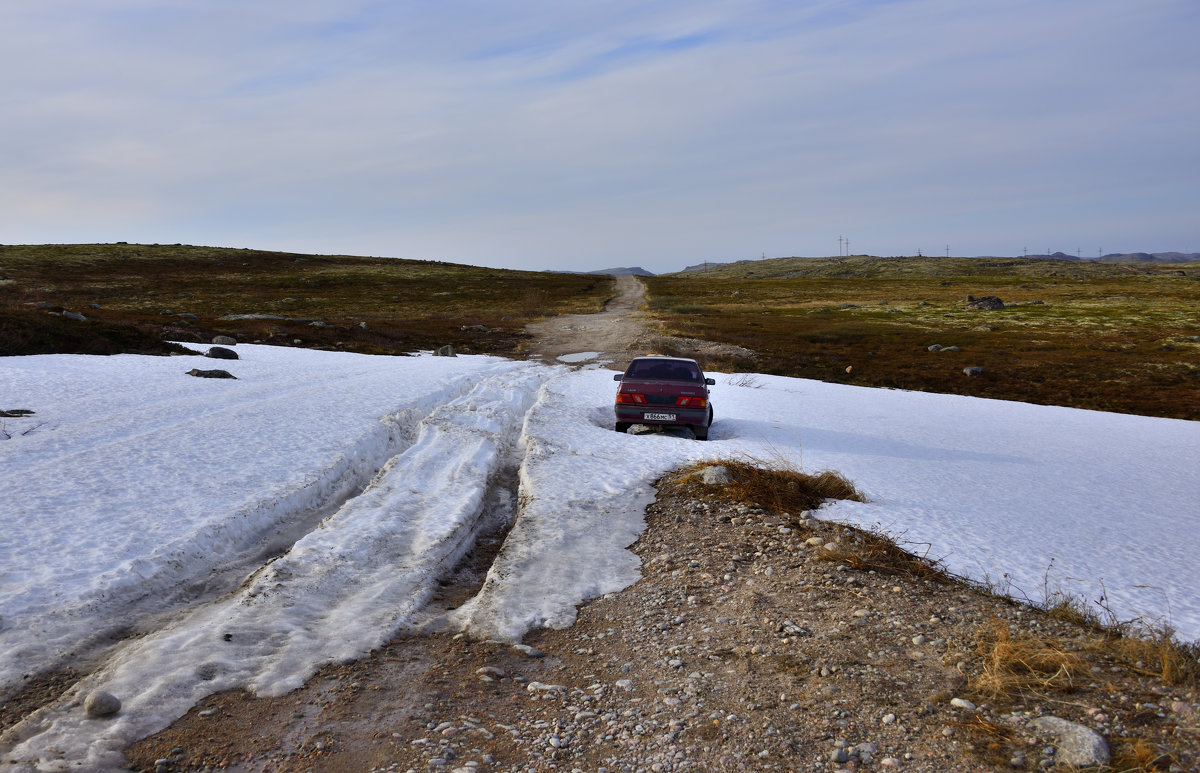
{"x": 636, "y": 414}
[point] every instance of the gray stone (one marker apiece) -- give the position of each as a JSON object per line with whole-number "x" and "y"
{"x": 445, "y": 351}
{"x": 224, "y": 341}
{"x": 933, "y": 348}
{"x": 210, "y": 373}
{"x": 101, "y": 704}
{"x": 1078, "y": 746}
{"x": 221, "y": 353}
{"x": 986, "y": 303}
{"x": 717, "y": 475}
{"x": 973, "y": 370}
{"x": 75, "y": 315}
{"x": 838, "y": 755}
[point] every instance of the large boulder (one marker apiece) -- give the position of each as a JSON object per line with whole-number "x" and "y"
{"x": 1078, "y": 746}
{"x": 716, "y": 475}
{"x": 100, "y": 704}
{"x": 224, "y": 341}
{"x": 210, "y": 373}
{"x": 221, "y": 353}
{"x": 986, "y": 303}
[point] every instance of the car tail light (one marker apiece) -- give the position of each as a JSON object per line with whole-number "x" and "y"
{"x": 630, "y": 399}
{"x": 691, "y": 402}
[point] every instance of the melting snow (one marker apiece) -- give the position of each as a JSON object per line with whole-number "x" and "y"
{"x": 254, "y": 530}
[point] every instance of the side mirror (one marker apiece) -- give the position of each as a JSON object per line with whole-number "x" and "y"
{"x": 710, "y": 381}
{"x": 618, "y": 376}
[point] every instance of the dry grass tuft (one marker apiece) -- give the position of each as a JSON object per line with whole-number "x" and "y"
{"x": 781, "y": 487}
{"x": 870, "y": 552}
{"x": 1158, "y": 653}
{"x": 1017, "y": 663}
{"x": 1137, "y": 755}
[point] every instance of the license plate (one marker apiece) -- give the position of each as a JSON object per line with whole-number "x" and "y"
{"x": 659, "y": 416}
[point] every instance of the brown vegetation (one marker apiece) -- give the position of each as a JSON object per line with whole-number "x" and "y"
{"x": 135, "y": 296}
{"x": 1108, "y": 337}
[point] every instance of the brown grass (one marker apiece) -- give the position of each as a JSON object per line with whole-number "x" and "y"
{"x": 783, "y": 489}
{"x": 1138, "y": 755}
{"x": 870, "y": 552}
{"x": 1098, "y": 336}
{"x": 183, "y": 293}
{"x": 1157, "y": 653}
{"x": 1014, "y": 663}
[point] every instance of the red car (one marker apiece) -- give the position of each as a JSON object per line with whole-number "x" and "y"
{"x": 666, "y": 391}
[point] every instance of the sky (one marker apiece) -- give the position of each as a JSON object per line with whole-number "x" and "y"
{"x": 615, "y": 133}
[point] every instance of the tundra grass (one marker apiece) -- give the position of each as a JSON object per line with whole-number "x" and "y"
{"x": 375, "y": 305}
{"x": 1109, "y": 337}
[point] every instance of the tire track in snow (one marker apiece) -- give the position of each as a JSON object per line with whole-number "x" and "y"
{"x": 342, "y": 590}
{"x": 212, "y": 560}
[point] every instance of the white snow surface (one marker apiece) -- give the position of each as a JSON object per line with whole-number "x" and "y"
{"x": 250, "y": 531}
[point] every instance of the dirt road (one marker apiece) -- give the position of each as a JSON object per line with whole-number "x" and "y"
{"x": 616, "y": 334}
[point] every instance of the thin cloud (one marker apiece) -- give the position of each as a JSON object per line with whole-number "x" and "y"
{"x": 571, "y": 136}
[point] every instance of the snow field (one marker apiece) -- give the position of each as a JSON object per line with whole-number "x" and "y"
{"x": 143, "y": 481}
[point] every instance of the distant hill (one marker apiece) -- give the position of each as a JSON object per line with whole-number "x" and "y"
{"x": 1128, "y": 257}
{"x": 635, "y": 270}
{"x": 707, "y": 265}
{"x": 1155, "y": 257}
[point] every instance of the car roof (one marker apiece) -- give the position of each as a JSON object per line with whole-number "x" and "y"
{"x": 664, "y": 357}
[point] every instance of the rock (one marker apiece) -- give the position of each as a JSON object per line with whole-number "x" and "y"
{"x": 962, "y": 703}
{"x": 476, "y": 328}
{"x": 75, "y": 315}
{"x": 951, "y": 349}
{"x": 221, "y": 353}
{"x": 838, "y": 755}
{"x": 101, "y": 704}
{"x": 445, "y": 351}
{"x": 224, "y": 341}
{"x": 986, "y": 303}
{"x": 1078, "y": 746}
{"x": 717, "y": 475}
{"x": 543, "y": 687}
{"x": 972, "y": 370}
{"x": 210, "y": 373}
{"x": 933, "y": 348}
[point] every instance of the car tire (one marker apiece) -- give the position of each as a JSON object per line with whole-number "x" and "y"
{"x": 622, "y": 427}
{"x": 702, "y": 432}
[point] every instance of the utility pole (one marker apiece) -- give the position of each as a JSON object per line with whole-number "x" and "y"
{"x": 839, "y": 245}
{"x": 947, "y": 250}
{"x": 847, "y": 246}
{"x": 1027, "y": 252}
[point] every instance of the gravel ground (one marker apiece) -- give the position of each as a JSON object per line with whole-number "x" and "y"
{"x": 741, "y": 648}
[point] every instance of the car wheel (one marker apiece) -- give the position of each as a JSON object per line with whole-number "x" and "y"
{"x": 702, "y": 432}
{"x": 622, "y": 426}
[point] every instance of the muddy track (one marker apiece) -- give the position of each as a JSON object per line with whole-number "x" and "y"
{"x": 616, "y": 334}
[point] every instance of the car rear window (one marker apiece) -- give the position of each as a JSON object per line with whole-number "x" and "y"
{"x": 663, "y": 371}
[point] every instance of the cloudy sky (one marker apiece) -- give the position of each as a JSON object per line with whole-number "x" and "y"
{"x": 594, "y": 134}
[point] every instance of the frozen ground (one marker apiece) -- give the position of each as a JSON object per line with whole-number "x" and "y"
{"x": 193, "y": 535}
